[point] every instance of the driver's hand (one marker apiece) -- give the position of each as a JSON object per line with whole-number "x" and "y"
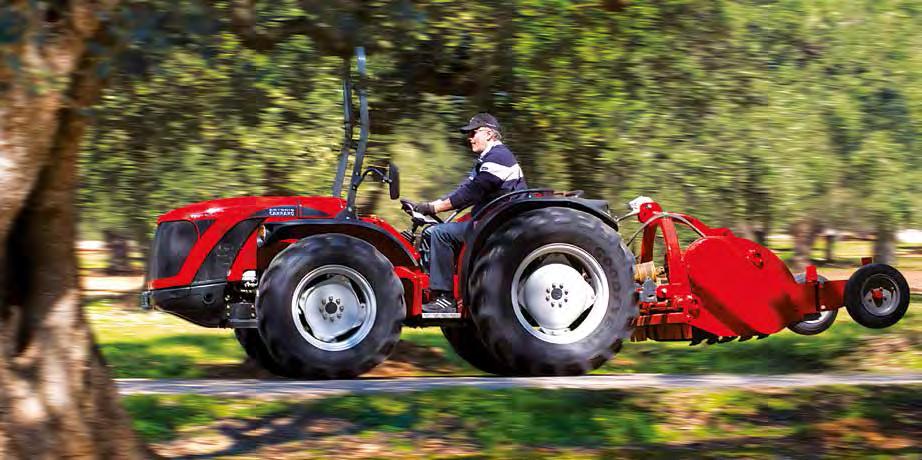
{"x": 424, "y": 208}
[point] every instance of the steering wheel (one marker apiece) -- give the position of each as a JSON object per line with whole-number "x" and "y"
{"x": 418, "y": 218}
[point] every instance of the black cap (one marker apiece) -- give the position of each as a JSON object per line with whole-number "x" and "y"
{"x": 481, "y": 120}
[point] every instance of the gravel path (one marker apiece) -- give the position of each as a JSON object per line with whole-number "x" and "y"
{"x": 308, "y": 389}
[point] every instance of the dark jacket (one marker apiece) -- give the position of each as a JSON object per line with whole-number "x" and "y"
{"x": 494, "y": 174}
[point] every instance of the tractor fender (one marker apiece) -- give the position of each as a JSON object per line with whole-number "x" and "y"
{"x": 494, "y": 217}
{"x": 387, "y": 243}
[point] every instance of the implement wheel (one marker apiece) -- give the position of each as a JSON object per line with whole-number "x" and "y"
{"x": 877, "y": 296}
{"x": 552, "y": 292}
{"x": 819, "y": 324}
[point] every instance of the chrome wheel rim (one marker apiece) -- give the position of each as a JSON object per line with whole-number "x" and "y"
{"x": 333, "y": 307}
{"x": 559, "y": 293}
{"x": 801, "y": 278}
{"x": 824, "y": 315}
{"x": 889, "y": 295}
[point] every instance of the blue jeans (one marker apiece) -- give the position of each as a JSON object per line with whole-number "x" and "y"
{"x": 446, "y": 240}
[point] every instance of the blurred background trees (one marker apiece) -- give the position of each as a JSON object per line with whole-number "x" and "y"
{"x": 765, "y": 116}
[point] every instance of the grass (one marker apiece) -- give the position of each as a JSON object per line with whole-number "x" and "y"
{"x": 845, "y": 347}
{"x": 815, "y": 422}
{"x": 158, "y": 345}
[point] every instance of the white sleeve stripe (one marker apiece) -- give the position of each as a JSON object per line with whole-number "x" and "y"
{"x": 505, "y": 173}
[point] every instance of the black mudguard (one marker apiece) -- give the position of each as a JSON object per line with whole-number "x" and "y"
{"x": 500, "y": 210}
{"x": 385, "y": 242}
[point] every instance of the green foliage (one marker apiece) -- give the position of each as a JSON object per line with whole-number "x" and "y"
{"x": 746, "y": 113}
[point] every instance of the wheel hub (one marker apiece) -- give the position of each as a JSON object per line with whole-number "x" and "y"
{"x": 881, "y": 295}
{"x": 331, "y": 308}
{"x": 559, "y": 293}
{"x": 556, "y": 295}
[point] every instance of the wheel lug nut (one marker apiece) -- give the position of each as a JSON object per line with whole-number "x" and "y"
{"x": 341, "y": 308}
{"x": 338, "y": 301}
{"x": 331, "y": 298}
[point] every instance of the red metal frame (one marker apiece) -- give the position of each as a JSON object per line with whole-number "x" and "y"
{"x": 230, "y": 211}
{"x": 722, "y": 285}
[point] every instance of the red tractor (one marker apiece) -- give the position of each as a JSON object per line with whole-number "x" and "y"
{"x": 315, "y": 290}
{"x": 547, "y": 286}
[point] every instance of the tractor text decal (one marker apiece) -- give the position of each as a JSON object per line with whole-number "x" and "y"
{"x": 287, "y": 211}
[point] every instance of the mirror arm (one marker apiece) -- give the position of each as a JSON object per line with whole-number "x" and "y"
{"x": 366, "y": 173}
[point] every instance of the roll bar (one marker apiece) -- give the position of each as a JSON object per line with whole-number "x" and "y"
{"x": 348, "y": 121}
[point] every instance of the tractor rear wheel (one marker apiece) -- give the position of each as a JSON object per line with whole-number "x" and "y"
{"x": 465, "y": 341}
{"x": 330, "y": 306}
{"x": 553, "y": 293}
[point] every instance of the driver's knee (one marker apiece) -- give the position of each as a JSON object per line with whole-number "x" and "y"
{"x": 445, "y": 233}
{"x": 438, "y": 233}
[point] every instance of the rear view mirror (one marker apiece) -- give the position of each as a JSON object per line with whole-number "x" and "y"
{"x": 393, "y": 180}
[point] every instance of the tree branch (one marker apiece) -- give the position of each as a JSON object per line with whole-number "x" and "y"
{"x": 330, "y": 40}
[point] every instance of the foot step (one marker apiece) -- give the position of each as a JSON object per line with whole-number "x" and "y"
{"x": 441, "y": 315}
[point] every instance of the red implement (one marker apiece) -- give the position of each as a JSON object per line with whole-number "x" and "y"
{"x": 722, "y": 287}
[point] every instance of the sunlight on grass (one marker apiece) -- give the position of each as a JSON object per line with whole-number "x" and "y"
{"x": 498, "y": 423}
{"x": 154, "y": 344}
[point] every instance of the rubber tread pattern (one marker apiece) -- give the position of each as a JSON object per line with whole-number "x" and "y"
{"x": 256, "y": 349}
{"x": 465, "y": 341}
{"x": 491, "y": 278}
{"x": 276, "y": 325}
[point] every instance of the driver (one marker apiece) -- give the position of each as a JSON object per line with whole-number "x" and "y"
{"x": 496, "y": 172}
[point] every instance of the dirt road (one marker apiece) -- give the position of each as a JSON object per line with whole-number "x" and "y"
{"x": 308, "y": 389}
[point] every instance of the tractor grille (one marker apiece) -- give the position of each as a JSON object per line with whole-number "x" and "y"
{"x": 223, "y": 254}
{"x": 172, "y": 244}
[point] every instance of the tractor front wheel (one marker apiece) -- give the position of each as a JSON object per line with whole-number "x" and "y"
{"x": 256, "y": 349}
{"x": 330, "y": 306}
{"x": 552, "y": 292}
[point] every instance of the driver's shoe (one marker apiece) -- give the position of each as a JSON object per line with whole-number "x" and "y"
{"x": 441, "y": 304}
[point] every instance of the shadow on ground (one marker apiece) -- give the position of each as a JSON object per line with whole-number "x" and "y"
{"x": 220, "y": 356}
{"x": 854, "y": 421}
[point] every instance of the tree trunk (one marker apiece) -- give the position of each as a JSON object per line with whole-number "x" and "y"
{"x": 56, "y": 396}
{"x": 885, "y": 244}
{"x": 830, "y": 246}
{"x": 117, "y": 250}
{"x": 804, "y": 233}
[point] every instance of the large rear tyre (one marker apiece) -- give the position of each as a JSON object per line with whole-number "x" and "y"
{"x": 877, "y": 296}
{"x": 330, "y": 306}
{"x": 467, "y": 344}
{"x": 552, "y": 292}
{"x": 256, "y": 349}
